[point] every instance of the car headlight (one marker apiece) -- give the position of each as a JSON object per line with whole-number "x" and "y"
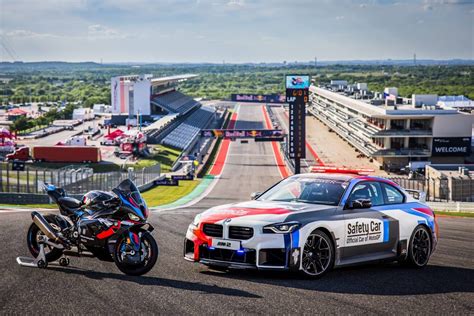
{"x": 196, "y": 220}
{"x": 281, "y": 228}
{"x": 133, "y": 217}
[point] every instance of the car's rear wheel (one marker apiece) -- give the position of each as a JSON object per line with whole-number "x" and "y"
{"x": 318, "y": 254}
{"x": 419, "y": 250}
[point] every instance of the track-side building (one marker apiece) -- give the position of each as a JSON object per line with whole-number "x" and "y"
{"x": 392, "y": 130}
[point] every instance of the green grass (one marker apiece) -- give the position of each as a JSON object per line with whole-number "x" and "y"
{"x": 32, "y": 129}
{"x": 162, "y": 195}
{"x": 455, "y": 213}
{"x": 48, "y": 206}
{"x": 164, "y": 155}
{"x": 157, "y": 196}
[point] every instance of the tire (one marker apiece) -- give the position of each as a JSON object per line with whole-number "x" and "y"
{"x": 419, "y": 249}
{"x": 143, "y": 267}
{"x": 317, "y": 258}
{"x": 51, "y": 253}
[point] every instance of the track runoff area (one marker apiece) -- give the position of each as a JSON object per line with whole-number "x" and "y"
{"x": 176, "y": 286}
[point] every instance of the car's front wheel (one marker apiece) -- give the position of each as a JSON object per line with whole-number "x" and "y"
{"x": 318, "y": 254}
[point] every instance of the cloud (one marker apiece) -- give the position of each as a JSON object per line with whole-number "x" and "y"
{"x": 20, "y": 33}
{"x": 85, "y": 29}
{"x": 98, "y": 31}
{"x": 453, "y": 2}
{"x": 430, "y": 3}
{"x": 236, "y": 3}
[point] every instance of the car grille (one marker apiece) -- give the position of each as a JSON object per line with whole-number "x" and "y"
{"x": 212, "y": 230}
{"x": 238, "y": 232}
{"x": 248, "y": 257}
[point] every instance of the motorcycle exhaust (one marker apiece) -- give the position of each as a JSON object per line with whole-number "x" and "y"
{"x": 44, "y": 226}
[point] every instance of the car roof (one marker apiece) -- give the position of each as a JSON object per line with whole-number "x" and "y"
{"x": 344, "y": 177}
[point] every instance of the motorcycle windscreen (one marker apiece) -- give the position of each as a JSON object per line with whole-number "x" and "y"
{"x": 129, "y": 190}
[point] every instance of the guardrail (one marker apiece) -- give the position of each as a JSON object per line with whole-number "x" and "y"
{"x": 467, "y": 207}
{"x": 440, "y": 189}
{"x": 74, "y": 181}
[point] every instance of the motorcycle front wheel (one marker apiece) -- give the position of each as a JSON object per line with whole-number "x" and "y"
{"x": 148, "y": 255}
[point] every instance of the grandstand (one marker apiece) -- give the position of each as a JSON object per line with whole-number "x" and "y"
{"x": 178, "y": 118}
{"x": 186, "y": 133}
{"x": 155, "y": 129}
{"x": 175, "y": 102}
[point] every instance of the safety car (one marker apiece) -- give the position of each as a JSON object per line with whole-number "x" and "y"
{"x": 313, "y": 222}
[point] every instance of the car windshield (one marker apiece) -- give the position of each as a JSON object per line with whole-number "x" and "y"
{"x": 128, "y": 189}
{"x": 306, "y": 190}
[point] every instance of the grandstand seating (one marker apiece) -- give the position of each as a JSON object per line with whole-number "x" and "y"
{"x": 157, "y": 128}
{"x": 184, "y": 135}
{"x": 175, "y": 102}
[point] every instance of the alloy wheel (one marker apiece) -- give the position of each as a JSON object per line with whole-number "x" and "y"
{"x": 421, "y": 247}
{"x": 316, "y": 254}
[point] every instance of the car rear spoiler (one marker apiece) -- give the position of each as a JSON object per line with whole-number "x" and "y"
{"x": 417, "y": 194}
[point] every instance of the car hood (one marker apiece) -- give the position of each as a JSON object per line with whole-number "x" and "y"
{"x": 258, "y": 211}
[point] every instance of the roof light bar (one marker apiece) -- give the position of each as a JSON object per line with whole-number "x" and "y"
{"x": 323, "y": 169}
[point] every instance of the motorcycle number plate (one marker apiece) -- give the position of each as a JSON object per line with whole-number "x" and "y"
{"x": 226, "y": 244}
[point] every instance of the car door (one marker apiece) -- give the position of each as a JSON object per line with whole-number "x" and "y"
{"x": 369, "y": 234}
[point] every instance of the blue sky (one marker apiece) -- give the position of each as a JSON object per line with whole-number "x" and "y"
{"x": 235, "y": 30}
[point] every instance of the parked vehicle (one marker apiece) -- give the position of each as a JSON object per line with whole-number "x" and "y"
{"x": 314, "y": 222}
{"x": 57, "y": 154}
{"x": 111, "y": 225}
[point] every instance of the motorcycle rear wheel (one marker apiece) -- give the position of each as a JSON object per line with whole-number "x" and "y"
{"x": 51, "y": 253}
{"x": 143, "y": 267}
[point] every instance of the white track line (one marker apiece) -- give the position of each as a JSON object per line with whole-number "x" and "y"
{"x": 212, "y": 185}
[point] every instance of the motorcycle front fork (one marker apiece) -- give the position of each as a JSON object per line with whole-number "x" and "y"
{"x": 132, "y": 244}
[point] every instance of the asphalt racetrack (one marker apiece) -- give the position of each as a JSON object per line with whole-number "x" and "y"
{"x": 178, "y": 287}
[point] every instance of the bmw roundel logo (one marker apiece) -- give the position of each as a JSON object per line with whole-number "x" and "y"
{"x": 227, "y": 220}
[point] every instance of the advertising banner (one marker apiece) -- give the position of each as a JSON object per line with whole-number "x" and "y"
{"x": 182, "y": 177}
{"x": 258, "y": 98}
{"x": 242, "y": 133}
{"x": 166, "y": 182}
{"x": 451, "y": 146}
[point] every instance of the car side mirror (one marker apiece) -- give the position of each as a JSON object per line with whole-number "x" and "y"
{"x": 255, "y": 195}
{"x": 360, "y": 203}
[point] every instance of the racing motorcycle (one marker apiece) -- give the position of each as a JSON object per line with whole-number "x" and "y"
{"x": 111, "y": 225}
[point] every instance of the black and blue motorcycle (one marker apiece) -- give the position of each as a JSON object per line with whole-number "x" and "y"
{"x": 112, "y": 226}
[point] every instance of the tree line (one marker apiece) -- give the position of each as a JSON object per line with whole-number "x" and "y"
{"x": 89, "y": 83}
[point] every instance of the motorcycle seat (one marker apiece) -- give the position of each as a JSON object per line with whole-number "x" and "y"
{"x": 69, "y": 204}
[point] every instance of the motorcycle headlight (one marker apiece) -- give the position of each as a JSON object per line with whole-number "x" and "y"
{"x": 281, "y": 228}
{"x": 133, "y": 217}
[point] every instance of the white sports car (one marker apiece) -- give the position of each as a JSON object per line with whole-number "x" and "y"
{"x": 314, "y": 222}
